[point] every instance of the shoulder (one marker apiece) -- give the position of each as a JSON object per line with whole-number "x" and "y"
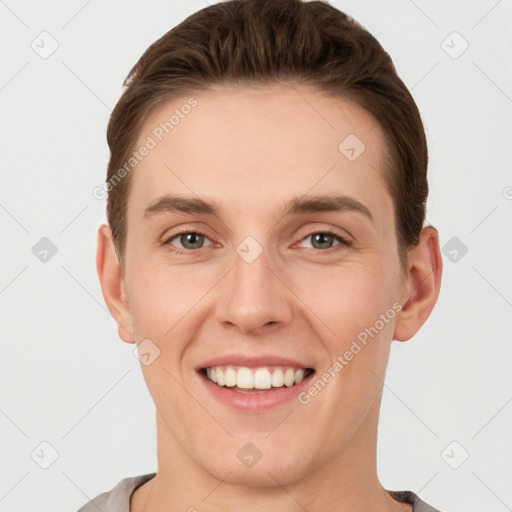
{"x": 410, "y": 497}
{"x": 118, "y": 498}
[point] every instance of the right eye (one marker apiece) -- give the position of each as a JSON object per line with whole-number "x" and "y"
{"x": 191, "y": 242}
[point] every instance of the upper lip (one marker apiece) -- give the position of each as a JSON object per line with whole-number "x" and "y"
{"x": 252, "y": 361}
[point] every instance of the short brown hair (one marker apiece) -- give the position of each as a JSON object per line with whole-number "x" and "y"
{"x": 258, "y": 42}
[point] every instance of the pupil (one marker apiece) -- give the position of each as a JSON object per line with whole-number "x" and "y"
{"x": 322, "y": 237}
{"x": 189, "y": 239}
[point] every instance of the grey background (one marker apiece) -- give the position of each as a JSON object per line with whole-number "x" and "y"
{"x": 67, "y": 379}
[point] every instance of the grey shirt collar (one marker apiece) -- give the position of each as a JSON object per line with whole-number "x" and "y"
{"x": 118, "y": 499}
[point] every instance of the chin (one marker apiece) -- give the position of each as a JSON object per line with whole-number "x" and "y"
{"x": 268, "y": 476}
{"x": 267, "y": 471}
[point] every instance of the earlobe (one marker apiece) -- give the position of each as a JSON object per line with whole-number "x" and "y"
{"x": 112, "y": 283}
{"x": 424, "y": 273}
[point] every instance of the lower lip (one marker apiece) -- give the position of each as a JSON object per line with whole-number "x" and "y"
{"x": 255, "y": 402}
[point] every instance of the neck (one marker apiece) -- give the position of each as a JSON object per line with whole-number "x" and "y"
{"x": 347, "y": 482}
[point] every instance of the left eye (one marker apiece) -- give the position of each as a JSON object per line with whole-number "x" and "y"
{"x": 324, "y": 239}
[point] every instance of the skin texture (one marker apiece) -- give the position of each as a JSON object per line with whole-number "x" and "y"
{"x": 250, "y": 150}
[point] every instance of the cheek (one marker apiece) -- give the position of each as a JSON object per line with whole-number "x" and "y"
{"x": 162, "y": 295}
{"x": 163, "y": 302}
{"x": 347, "y": 301}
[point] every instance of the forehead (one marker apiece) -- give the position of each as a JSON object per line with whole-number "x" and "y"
{"x": 259, "y": 143}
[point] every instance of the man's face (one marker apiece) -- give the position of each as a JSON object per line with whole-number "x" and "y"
{"x": 259, "y": 290}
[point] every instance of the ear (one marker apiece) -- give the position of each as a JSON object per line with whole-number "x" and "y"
{"x": 425, "y": 267}
{"x": 113, "y": 287}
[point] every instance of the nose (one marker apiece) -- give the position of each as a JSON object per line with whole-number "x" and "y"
{"x": 253, "y": 297}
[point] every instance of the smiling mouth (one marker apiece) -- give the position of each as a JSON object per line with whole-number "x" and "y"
{"x": 262, "y": 379}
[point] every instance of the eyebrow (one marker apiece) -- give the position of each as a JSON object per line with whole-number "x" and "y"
{"x": 298, "y": 205}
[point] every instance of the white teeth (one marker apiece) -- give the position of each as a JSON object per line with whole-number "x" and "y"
{"x": 244, "y": 378}
{"x": 255, "y": 378}
{"x": 220, "y": 378}
{"x": 278, "y": 378}
{"x": 230, "y": 377}
{"x": 288, "y": 377}
{"x": 262, "y": 379}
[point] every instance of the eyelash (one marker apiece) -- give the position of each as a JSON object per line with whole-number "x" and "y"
{"x": 344, "y": 242}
